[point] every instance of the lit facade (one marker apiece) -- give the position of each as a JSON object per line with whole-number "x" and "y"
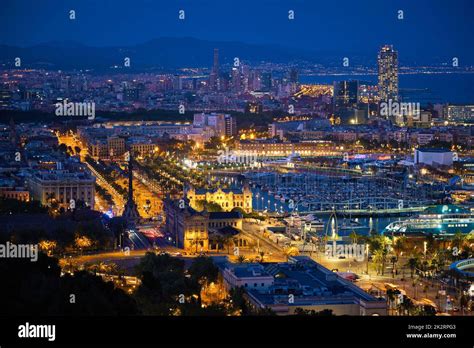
{"x": 62, "y": 187}
{"x": 188, "y": 226}
{"x": 228, "y": 199}
{"x": 274, "y": 148}
{"x": 388, "y": 74}
{"x": 299, "y": 283}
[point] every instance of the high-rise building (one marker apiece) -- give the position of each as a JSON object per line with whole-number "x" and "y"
{"x": 221, "y": 124}
{"x": 230, "y": 126}
{"x": 236, "y": 80}
{"x": 346, "y": 98}
{"x": 346, "y": 93}
{"x": 293, "y": 75}
{"x": 388, "y": 73}
{"x": 214, "y": 76}
{"x": 266, "y": 81}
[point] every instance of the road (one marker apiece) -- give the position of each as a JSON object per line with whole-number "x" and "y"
{"x": 416, "y": 288}
{"x": 71, "y": 140}
{"x": 255, "y": 231}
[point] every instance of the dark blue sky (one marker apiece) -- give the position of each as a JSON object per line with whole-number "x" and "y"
{"x": 431, "y": 27}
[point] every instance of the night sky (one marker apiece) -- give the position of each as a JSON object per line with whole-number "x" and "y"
{"x": 430, "y": 27}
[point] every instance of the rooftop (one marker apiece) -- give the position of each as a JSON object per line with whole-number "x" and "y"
{"x": 225, "y": 215}
{"x": 431, "y": 149}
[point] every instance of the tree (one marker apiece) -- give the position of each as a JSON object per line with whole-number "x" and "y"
{"x": 380, "y": 257}
{"x": 227, "y": 241}
{"x": 464, "y": 302}
{"x": 213, "y": 144}
{"x": 312, "y": 312}
{"x": 393, "y": 260}
{"x": 48, "y": 246}
{"x": 213, "y": 207}
{"x": 37, "y": 288}
{"x": 291, "y": 251}
{"x": 237, "y": 300}
{"x": 412, "y": 264}
{"x": 50, "y": 197}
{"x": 458, "y": 241}
{"x": 163, "y": 285}
{"x": 399, "y": 246}
{"x": 427, "y": 310}
{"x": 241, "y": 259}
{"x": 406, "y": 307}
{"x": 82, "y": 242}
{"x": 392, "y": 294}
{"x": 354, "y": 237}
{"x": 203, "y": 270}
{"x": 14, "y": 206}
{"x": 238, "y": 210}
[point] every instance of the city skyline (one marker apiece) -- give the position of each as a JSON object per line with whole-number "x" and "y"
{"x": 440, "y": 33}
{"x": 254, "y": 159}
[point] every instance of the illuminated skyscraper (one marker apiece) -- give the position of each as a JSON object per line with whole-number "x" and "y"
{"x": 388, "y": 73}
{"x": 236, "y": 80}
{"x": 214, "y": 76}
{"x": 346, "y": 93}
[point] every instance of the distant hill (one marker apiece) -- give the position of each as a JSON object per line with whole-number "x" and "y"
{"x": 161, "y": 53}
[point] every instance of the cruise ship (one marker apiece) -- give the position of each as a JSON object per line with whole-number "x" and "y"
{"x": 440, "y": 220}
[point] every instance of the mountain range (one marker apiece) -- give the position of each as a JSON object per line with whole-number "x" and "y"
{"x": 169, "y": 53}
{"x": 161, "y": 53}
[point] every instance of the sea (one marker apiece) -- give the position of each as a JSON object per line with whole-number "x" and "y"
{"x": 434, "y": 88}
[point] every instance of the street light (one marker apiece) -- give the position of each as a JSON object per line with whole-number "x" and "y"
{"x": 367, "y": 253}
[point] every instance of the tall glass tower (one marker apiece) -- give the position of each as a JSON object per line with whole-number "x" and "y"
{"x": 388, "y": 74}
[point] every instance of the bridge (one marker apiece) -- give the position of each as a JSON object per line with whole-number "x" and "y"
{"x": 369, "y": 212}
{"x": 371, "y": 205}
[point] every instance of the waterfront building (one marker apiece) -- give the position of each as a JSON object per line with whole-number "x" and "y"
{"x": 277, "y": 148}
{"x": 228, "y": 199}
{"x": 299, "y": 283}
